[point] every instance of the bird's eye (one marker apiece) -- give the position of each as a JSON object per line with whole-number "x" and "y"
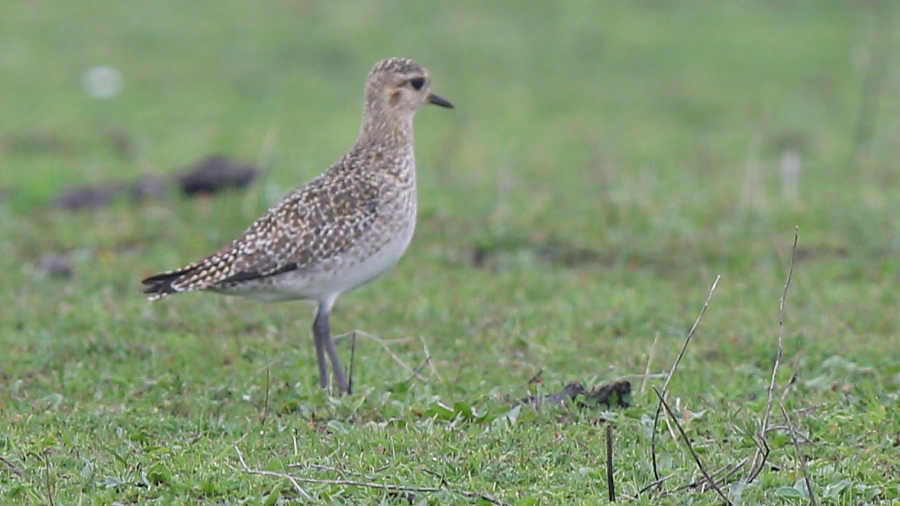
{"x": 417, "y": 82}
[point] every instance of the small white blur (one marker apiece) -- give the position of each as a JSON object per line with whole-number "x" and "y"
{"x": 102, "y": 82}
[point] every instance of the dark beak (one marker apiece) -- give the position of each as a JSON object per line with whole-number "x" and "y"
{"x": 438, "y": 100}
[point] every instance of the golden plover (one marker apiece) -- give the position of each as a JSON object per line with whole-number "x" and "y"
{"x": 337, "y": 231}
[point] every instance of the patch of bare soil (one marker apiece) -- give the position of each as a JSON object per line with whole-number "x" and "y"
{"x": 210, "y": 175}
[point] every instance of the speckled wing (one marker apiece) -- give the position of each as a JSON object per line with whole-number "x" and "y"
{"x": 319, "y": 220}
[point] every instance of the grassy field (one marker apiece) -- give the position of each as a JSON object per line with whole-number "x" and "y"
{"x": 605, "y": 163}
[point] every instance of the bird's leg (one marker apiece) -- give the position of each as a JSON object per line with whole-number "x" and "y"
{"x": 339, "y": 377}
{"x": 320, "y": 335}
{"x": 324, "y": 344}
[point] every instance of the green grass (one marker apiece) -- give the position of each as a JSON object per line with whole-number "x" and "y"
{"x": 606, "y": 161}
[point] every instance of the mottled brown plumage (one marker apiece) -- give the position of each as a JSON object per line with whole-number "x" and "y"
{"x": 339, "y": 230}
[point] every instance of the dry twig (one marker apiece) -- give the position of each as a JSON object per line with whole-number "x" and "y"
{"x": 302, "y": 493}
{"x": 665, "y": 387}
{"x": 719, "y": 481}
{"x": 428, "y": 358}
{"x": 687, "y": 441}
{"x": 803, "y": 468}
{"x": 610, "y": 482}
{"x": 801, "y": 438}
{"x": 320, "y": 467}
{"x": 535, "y": 377}
{"x": 762, "y": 452}
{"x": 690, "y": 334}
{"x": 296, "y": 480}
{"x": 48, "y": 481}
{"x": 15, "y": 469}
{"x": 656, "y": 483}
{"x": 427, "y": 362}
{"x": 384, "y": 344}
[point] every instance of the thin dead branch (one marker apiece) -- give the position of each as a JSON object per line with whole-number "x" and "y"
{"x": 690, "y": 334}
{"x": 300, "y": 491}
{"x": 14, "y": 468}
{"x": 48, "y": 481}
{"x": 669, "y": 427}
{"x": 418, "y": 370}
{"x": 384, "y": 344}
{"x": 802, "y": 438}
{"x": 687, "y": 441}
{"x": 610, "y": 481}
{"x": 719, "y": 481}
{"x": 429, "y": 359}
{"x": 735, "y": 468}
{"x": 656, "y": 483}
{"x": 800, "y": 457}
{"x": 427, "y": 362}
{"x": 701, "y": 482}
{"x": 296, "y": 480}
{"x": 320, "y": 467}
{"x": 760, "y": 457}
{"x": 792, "y": 379}
{"x": 665, "y": 387}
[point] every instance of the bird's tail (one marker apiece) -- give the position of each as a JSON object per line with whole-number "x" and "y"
{"x": 166, "y": 283}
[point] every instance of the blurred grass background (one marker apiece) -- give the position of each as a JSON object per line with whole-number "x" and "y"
{"x": 685, "y": 89}
{"x": 605, "y": 161}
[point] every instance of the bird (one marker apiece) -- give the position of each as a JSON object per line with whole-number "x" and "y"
{"x": 337, "y": 231}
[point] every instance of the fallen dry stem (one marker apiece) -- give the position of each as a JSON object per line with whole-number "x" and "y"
{"x": 534, "y": 377}
{"x": 300, "y": 491}
{"x": 427, "y": 362}
{"x": 719, "y": 481}
{"x": 296, "y": 480}
{"x": 801, "y": 438}
{"x": 14, "y": 469}
{"x": 429, "y": 359}
{"x": 655, "y": 483}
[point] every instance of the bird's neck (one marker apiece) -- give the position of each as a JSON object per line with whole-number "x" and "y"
{"x": 385, "y": 131}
